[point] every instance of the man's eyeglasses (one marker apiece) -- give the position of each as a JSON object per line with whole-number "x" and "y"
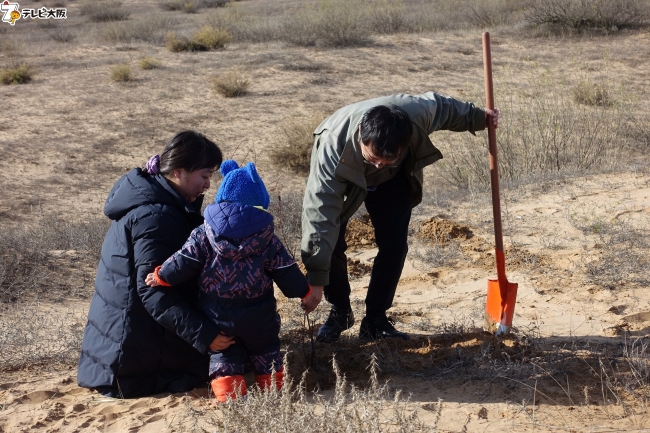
{"x": 373, "y": 161}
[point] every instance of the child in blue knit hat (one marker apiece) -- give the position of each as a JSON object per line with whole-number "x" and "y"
{"x": 238, "y": 257}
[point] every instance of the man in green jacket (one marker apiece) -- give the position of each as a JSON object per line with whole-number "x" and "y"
{"x": 373, "y": 152}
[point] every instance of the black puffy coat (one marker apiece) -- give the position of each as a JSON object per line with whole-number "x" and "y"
{"x": 141, "y": 340}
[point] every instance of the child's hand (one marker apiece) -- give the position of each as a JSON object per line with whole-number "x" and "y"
{"x": 311, "y": 301}
{"x": 151, "y": 280}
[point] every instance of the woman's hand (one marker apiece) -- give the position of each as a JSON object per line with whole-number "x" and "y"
{"x": 151, "y": 280}
{"x": 221, "y": 342}
{"x": 311, "y": 301}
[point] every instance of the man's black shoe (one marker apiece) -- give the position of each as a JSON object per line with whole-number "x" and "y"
{"x": 374, "y": 328}
{"x": 337, "y": 322}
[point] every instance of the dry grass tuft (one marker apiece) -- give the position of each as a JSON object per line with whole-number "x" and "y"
{"x": 588, "y": 93}
{"x": 150, "y": 30}
{"x": 20, "y": 74}
{"x": 122, "y": 73}
{"x": 147, "y": 63}
{"x": 208, "y": 38}
{"x": 104, "y": 10}
{"x": 212, "y": 38}
{"x": 295, "y": 152}
{"x": 231, "y": 85}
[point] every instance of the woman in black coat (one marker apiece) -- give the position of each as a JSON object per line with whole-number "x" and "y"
{"x": 141, "y": 340}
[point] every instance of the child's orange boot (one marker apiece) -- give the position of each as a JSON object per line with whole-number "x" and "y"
{"x": 226, "y": 386}
{"x": 264, "y": 380}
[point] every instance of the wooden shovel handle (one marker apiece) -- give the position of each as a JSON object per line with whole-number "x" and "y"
{"x": 492, "y": 142}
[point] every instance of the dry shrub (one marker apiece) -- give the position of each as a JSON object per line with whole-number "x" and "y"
{"x": 11, "y": 48}
{"x": 172, "y": 5}
{"x": 177, "y": 44}
{"x": 300, "y": 29}
{"x": 122, "y": 73}
{"x": 189, "y": 6}
{"x": 588, "y": 93}
{"x": 50, "y": 259}
{"x": 492, "y": 13}
{"x": 104, "y": 10}
{"x": 542, "y": 131}
{"x": 287, "y": 210}
{"x": 350, "y": 409}
{"x": 331, "y": 23}
{"x": 150, "y": 29}
{"x": 580, "y": 15}
{"x": 20, "y": 74}
{"x": 387, "y": 16}
{"x": 62, "y": 36}
{"x": 147, "y": 63}
{"x": 34, "y": 337}
{"x": 212, "y": 38}
{"x": 624, "y": 258}
{"x": 208, "y": 38}
{"x": 342, "y": 23}
{"x": 295, "y": 152}
{"x": 245, "y": 27}
{"x": 214, "y": 3}
{"x": 231, "y": 85}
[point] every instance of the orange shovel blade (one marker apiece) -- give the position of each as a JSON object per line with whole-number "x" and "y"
{"x": 500, "y": 306}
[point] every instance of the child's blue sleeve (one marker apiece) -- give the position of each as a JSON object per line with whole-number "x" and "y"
{"x": 284, "y": 272}
{"x": 187, "y": 262}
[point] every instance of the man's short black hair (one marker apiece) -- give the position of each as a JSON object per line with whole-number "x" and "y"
{"x": 387, "y": 129}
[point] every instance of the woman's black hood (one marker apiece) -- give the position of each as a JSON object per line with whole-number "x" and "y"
{"x": 137, "y": 188}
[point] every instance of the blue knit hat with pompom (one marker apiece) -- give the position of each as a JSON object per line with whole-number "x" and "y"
{"x": 242, "y": 185}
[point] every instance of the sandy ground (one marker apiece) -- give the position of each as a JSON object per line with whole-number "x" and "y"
{"x": 555, "y": 304}
{"x": 68, "y": 135}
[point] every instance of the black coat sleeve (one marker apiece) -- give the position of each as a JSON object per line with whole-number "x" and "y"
{"x": 152, "y": 246}
{"x": 187, "y": 262}
{"x": 290, "y": 281}
{"x": 284, "y": 271}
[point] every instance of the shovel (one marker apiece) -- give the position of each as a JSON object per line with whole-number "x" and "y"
{"x": 501, "y": 294}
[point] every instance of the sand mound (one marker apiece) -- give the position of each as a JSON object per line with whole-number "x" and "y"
{"x": 360, "y": 233}
{"x": 440, "y": 231}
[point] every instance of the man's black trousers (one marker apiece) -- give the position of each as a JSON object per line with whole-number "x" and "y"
{"x": 389, "y": 207}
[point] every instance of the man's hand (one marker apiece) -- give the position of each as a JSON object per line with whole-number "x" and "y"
{"x": 151, "y": 280}
{"x": 221, "y": 342}
{"x": 492, "y": 115}
{"x": 310, "y": 302}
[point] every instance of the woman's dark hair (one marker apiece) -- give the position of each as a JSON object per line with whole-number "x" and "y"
{"x": 189, "y": 150}
{"x": 388, "y": 129}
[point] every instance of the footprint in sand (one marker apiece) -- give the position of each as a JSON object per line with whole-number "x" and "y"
{"x": 77, "y": 408}
{"x": 37, "y": 397}
{"x": 154, "y": 419}
{"x": 140, "y": 405}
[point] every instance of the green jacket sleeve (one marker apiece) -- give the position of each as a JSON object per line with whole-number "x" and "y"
{"x": 322, "y": 206}
{"x": 434, "y": 112}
